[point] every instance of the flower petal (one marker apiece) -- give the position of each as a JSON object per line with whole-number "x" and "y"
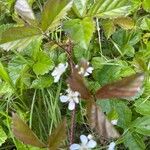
{"x": 76, "y": 100}
{"x": 76, "y": 93}
{"x": 114, "y": 122}
{"x": 71, "y": 105}
{"x": 84, "y": 139}
{"x": 75, "y": 147}
{"x": 61, "y": 65}
{"x": 56, "y": 78}
{"x": 90, "y": 69}
{"x": 68, "y": 90}
{"x": 64, "y": 98}
{"x": 86, "y": 74}
{"x": 91, "y": 144}
{"x": 58, "y": 71}
{"x": 111, "y": 146}
{"x": 90, "y": 137}
{"x": 55, "y": 72}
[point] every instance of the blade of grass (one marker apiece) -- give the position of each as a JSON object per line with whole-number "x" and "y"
{"x": 31, "y": 110}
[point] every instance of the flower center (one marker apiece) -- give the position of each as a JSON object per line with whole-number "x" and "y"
{"x": 84, "y": 147}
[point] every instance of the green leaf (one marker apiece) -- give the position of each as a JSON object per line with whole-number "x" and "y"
{"x": 24, "y": 10}
{"x": 18, "y": 45}
{"x": 18, "y": 68}
{"x": 3, "y": 136}
{"x": 12, "y": 39}
{"x": 109, "y": 8}
{"x": 107, "y": 74}
{"x": 24, "y": 133}
{"x": 146, "y": 5}
{"x": 43, "y": 65}
{"x": 13, "y": 34}
{"x": 97, "y": 62}
{"x": 109, "y": 28}
{"x": 146, "y": 38}
{"x": 5, "y": 90}
{"x": 53, "y": 12}
{"x": 128, "y": 50}
{"x": 57, "y": 136}
{"x": 126, "y": 69}
{"x": 4, "y": 75}
{"x": 145, "y": 24}
{"x": 133, "y": 141}
{"x": 79, "y": 7}
{"x": 142, "y": 106}
{"x": 19, "y": 145}
{"x": 124, "y": 114}
{"x": 113, "y": 115}
{"x": 106, "y": 105}
{"x": 42, "y": 82}
{"x": 136, "y": 4}
{"x": 80, "y": 53}
{"x": 125, "y": 22}
{"x": 122, "y": 37}
{"x": 33, "y": 48}
{"x": 62, "y": 58}
{"x": 80, "y": 28}
{"x": 142, "y": 125}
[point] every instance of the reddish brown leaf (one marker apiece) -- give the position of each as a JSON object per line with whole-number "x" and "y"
{"x": 24, "y": 133}
{"x": 57, "y": 136}
{"x": 99, "y": 122}
{"x": 76, "y": 83}
{"x": 124, "y": 88}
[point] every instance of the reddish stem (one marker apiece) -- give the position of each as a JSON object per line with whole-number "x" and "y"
{"x": 72, "y": 130}
{"x": 69, "y": 48}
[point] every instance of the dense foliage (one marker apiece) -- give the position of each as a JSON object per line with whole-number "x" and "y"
{"x": 39, "y": 37}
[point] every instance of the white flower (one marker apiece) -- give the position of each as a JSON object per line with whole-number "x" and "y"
{"x": 114, "y": 122}
{"x": 71, "y": 97}
{"x": 86, "y": 72}
{"x": 86, "y": 143}
{"x": 58, "y": 71}
{"x": 111, "y": 146}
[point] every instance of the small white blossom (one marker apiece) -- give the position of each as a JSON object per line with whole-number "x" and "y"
{"x": 71, "y": 97}
{"x": 112, "y": 146}
{"x": 86, "y": 72}
{"x": 114, "y": 122}
{"x": 86, "y": 143}
{"x": 58, "y": 71}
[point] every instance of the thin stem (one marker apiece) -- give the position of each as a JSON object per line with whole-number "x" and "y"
{"x": 72, "y": 130}
{"x": 69, "y": 49}
{"x": 99, "y": 36}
